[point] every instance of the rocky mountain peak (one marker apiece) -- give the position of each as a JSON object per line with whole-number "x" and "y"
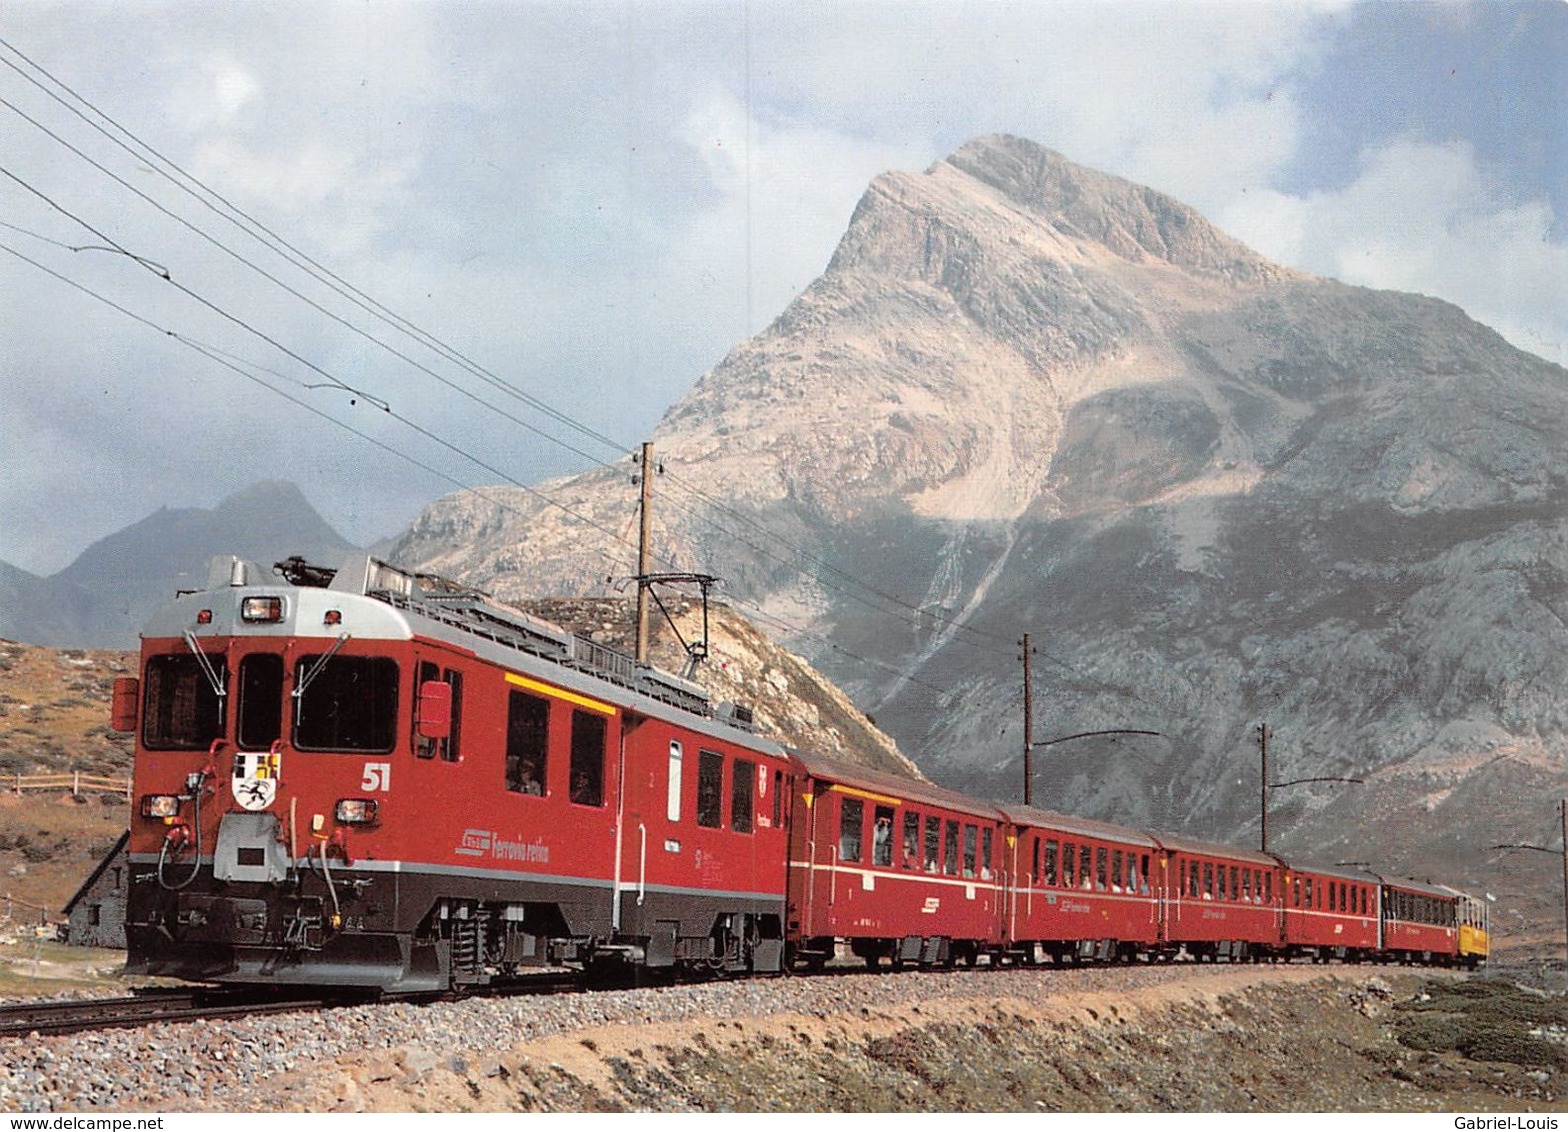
{"x": 1133, "y": 222}
{"x": 1029, "y": 397}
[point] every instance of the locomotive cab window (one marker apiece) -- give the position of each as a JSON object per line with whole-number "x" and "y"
{"x": 447, "y": 748}
{"x": 527, "y": 743}
{"x": 182, "y": 706}
{"x": 587, "y": 769}
{"x": 260, "y": 720}
{"x": 345, "y": 703}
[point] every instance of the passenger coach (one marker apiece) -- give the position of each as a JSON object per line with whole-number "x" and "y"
{"x": 899, "y": 869}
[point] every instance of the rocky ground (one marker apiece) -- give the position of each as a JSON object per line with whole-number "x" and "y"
{"x": 1181, "y": 1038}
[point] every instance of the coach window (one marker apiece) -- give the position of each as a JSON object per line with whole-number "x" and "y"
{"x": 950, "y": 848}
{"x": 1143, "y": 875}
{"x": 1309, "y": 886}
{"x": 1194, "y": 879}
{"x": 345, "y": 703}
{"x": 1101, "y": 867}
{"x": 261, "y": 701}
{"x": 710, "y": 789}
{"x": 1069, "y": 864}
{"x": 882, "y": 836}
{"x": 1085, "y": 863}
{"x": 851, "y": 827}
{"x": 971, "y": 848}
{"x": 1235, "y": 883}
{"x": 1268, "y": 887}
{"x": 911, "y": 840}
{"x": 741, "y": 787}
{"x": 1050, "y": 862}
{"x": 933, "y": 844}
{"x": 1132, "y": 872}
{"x": 1208, "y": 880}
{"x": 1116, "y": 870}
{"x": 587, "y": 786}
{"x": 527, "y": 743}
{"x": 985, "y": 854}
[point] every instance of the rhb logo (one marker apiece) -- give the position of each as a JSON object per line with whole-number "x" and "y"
{"x": 475, "y": 843}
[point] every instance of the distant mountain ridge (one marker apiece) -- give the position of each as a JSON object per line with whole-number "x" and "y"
{"x": 1030, "y": 397}
{"x": 102, "y": 598}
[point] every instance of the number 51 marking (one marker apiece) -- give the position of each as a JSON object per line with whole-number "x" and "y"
{"x": 378, "y": 776}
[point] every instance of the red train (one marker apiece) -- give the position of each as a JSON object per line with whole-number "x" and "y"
{"x": 370, "y": 778}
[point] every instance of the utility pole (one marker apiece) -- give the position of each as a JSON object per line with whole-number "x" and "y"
{"x": 1029, "y": 725}
{"x": 644, "y": 552}
{"x": 1263, "y": 785}
{"x": 1563, "y": 807}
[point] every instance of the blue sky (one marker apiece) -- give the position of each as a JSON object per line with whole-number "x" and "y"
{"x": 595, "y": 202}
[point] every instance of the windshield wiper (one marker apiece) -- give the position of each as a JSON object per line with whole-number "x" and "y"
{"x": 206, "y": 666}
{"x": 315, "y": 670}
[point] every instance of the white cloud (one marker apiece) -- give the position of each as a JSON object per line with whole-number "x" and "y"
{"x": 1426, "y": 218}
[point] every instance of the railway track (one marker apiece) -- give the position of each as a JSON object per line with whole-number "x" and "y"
{"x": 143, "y": 1008}
{"x": 149, "y": 1005}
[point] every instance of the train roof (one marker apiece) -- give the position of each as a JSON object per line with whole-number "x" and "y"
{"x": 1081, "y": 827}
{"x": 1174, "y": 844}
{"x": 1420, "y": 887}
{"x": 1357, "y": 873}
{"x": 396, "y": 604}
{"x": 893, "y": 785}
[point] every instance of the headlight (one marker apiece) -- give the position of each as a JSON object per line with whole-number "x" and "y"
{"x": 160, "y": 805}
{"x": 261, "y": 609}
{"x": 357, "y": 811}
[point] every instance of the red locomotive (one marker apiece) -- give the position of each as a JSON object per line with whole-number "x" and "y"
{"x": 370, "y": 778}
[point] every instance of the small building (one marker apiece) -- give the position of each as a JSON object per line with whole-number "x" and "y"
{"x": 95, "y": 916}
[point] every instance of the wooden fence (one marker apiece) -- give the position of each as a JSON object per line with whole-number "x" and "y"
{"x": 14, "y": 909}
{"x": 74, "y": 781}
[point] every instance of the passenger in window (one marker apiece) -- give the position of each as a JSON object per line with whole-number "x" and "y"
{"x": 528, "y": 779}
{"x": 882, "y": 841}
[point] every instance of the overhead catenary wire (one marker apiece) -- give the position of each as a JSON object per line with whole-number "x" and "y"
{"x": 829, "y": 576}
{"x": 206, "y": 195}
{"x": 220, "y": 358}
